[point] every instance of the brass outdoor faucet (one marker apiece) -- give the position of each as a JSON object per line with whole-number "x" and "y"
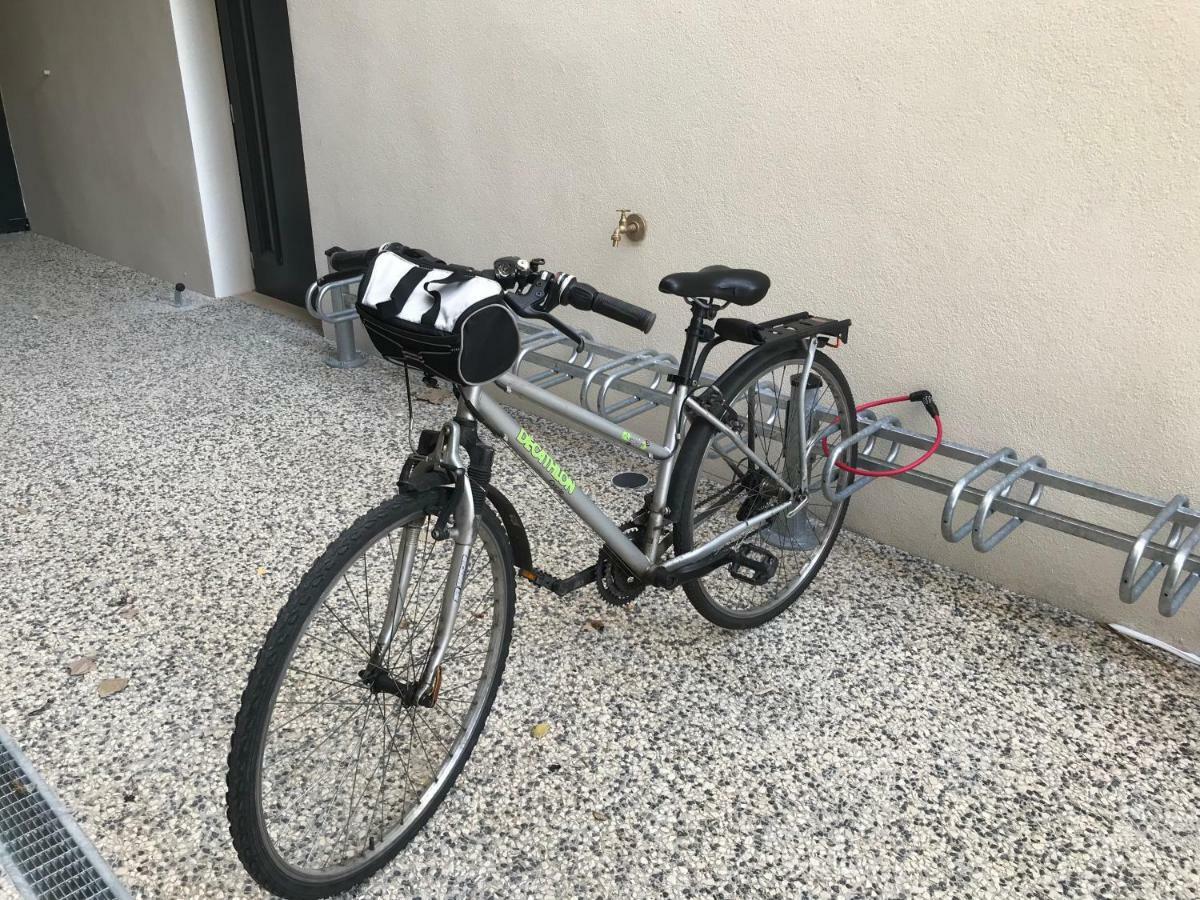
{"x": 631, "y": 225}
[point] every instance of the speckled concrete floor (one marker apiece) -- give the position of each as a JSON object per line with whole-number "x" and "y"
{"x": 166, "y": 476}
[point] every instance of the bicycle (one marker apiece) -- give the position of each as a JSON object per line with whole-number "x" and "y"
{"x": 353, "y": 727}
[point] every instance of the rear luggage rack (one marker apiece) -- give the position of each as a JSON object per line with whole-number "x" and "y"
{"x": 806, "y": 325}
{"x": 799, "y": 325}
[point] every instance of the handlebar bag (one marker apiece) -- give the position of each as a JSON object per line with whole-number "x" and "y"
{"x": 448, "y": 320}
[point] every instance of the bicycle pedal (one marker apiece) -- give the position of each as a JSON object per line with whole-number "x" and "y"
{"x": 754, "y": 565}
{"x": 540, "y": 578}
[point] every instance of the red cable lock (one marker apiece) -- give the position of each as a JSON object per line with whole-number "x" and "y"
{"x": 923, "y": 397}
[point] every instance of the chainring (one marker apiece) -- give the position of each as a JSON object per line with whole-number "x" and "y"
{"x": 616, "y": 584}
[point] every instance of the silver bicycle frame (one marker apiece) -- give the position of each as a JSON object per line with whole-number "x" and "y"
{"x": 474, "y": 403}
{"x": 639, "y": 560}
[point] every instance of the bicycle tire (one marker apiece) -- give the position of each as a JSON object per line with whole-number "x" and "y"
{"x": 732, "y": 383}
{"x": 253, "y": 843}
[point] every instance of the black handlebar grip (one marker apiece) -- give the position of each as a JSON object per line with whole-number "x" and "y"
{"x": 625, "y": 313}
{"x": 584, "y": 296}
{"x": 344, "y": 260}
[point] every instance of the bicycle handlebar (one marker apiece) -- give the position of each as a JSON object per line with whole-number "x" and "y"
{"x": 344, "y": 260}
{"x": 577, "y": 294}
{"x": 585, "y": 297}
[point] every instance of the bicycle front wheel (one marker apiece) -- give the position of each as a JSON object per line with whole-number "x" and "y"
{"x": 722, "y": 486}
{"x": 330, "y": 775}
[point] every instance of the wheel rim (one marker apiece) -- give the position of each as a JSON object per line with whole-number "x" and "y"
{"x": 344, "y": 773}
{"x": 729, "y": 486}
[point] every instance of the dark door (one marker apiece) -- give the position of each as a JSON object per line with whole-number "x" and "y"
{"x": 12, "y": 207}
{"x": 257, "y": 44}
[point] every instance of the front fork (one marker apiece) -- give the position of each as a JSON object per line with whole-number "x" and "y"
{"x": 452, "y": 455}
{"x": 463, "y": 533}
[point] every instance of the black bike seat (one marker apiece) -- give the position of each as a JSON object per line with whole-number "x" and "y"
{"x": 740, "y": 286}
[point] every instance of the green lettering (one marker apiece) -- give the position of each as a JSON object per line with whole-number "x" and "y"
{"x": 548, "y": 462}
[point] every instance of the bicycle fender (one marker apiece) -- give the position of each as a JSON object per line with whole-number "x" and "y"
{"x": 515, "y": 528}
{"x": 433, "y": 486}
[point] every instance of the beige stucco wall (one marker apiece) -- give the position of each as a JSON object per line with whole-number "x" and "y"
{"x": 1004, "y": 197}
{"x": 104, "y": 143}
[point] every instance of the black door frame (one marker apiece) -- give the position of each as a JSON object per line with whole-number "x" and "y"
{"x": 261, "y": 75}
{"x": 13, "y": 215}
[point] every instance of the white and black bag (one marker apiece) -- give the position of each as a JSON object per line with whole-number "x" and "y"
{"x": 448, "y": 320}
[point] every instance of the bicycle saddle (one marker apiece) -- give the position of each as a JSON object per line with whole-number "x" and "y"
{"x": 740, "y": 286}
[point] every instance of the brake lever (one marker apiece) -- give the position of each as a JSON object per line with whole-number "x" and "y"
{"x": 537, "y": 302}
{"x": 561, "y": 326}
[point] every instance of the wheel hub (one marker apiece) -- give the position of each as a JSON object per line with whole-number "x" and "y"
{"x": 380, "y": 681}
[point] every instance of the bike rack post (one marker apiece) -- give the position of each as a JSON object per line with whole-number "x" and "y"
{"x": 552, "y": 376}
{"x": 626, "y": 364}
{"x": 949, "y": 532}
{"x": 1178, "y": 583}
{"x": 829, "y": 487}
{"x": 631, "y": 406}
{"x": 341, "y": 315}
{"x": 543, "y": 340}
{"x": 537, "y": 341}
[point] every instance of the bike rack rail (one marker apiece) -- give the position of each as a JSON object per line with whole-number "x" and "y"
{"x": 621, "y": 384}
{"x": 636, "y": 376}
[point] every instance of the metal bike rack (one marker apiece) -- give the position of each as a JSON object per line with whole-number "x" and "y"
{"x": 1146, "y": 557}
{"x": 341, "y": 316}
{"x": 635, "y": 377}
{"x": 620, "y": 384}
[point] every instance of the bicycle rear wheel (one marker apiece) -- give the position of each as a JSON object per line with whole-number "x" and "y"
{"x": 329, "y": 778}
{"x": 722, "y": 486}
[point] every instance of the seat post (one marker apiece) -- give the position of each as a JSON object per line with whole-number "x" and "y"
{"x": 697, "y": 332}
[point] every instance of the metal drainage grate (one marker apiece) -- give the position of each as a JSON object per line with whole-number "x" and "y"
{"x": 42, "y": 849}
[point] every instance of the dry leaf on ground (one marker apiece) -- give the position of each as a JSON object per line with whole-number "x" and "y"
{"x": 540, "y": 730}
{"x": 110, "y": 686}
{"x": 80, "y": 665}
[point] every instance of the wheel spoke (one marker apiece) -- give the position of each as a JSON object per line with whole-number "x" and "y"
{"x": 324, "y": 702}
